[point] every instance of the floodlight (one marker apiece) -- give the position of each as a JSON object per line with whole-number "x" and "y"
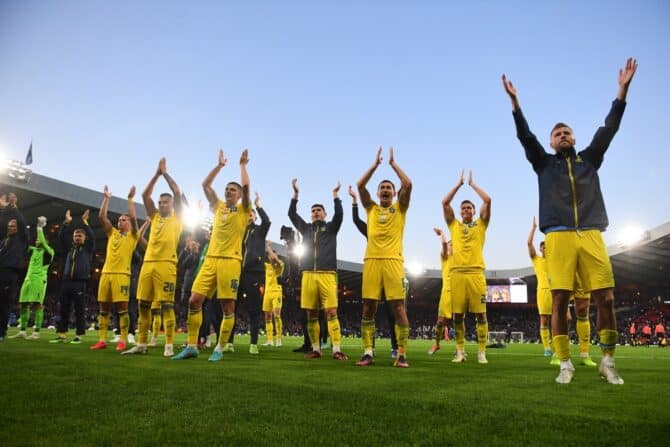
{"x": 631, "y": 235}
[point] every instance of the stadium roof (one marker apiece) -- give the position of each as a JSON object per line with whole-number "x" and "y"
{"x": 641, "y": 265}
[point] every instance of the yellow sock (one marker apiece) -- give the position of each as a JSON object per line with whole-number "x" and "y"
{"x": 103, "y": 324}
{"x": 608, "y": 339}
{"x": 226, "y": 328}
{"x": 314, "y": 330}
{"x": 544, "y": 336}
{"x": 368, "y": 334}
{"x": 334, "y": 332}
{"x": 279, "y": 327}
{"x": 268, "y": 330}
{"x": 169, "y": 322}
{"x": 482, "y": 334}
{"x": 124, "y": 323}
{"x": 402, "y": 334}
{"x": 562, "y": 347}
{"x": 193, "y": 323}
{"x": 143, "y": 321}
{"x": 459, "y": 333}
{"x": 156, "y": 322}
{"x": 584, "y": 334}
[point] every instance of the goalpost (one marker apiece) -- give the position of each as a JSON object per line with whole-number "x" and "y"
{"x": 501, "y": 336}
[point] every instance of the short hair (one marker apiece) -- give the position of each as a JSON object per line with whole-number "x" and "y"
{"x": 467, "y": 201}
{"x": 166, "y": 194}
{"x": 237, "y": 185}
{"x": 558, "y": 125}
{"x": 386, "y": 181}
{"x": 79, "y": 230}
{"x": 318, "y": 205}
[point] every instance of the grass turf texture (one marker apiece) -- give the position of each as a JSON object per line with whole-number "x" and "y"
{"x": 69, "y": 395}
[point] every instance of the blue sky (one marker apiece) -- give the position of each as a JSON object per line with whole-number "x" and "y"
{"x": 105, "y": 89}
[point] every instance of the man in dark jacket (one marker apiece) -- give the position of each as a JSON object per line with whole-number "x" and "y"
{"x": 319, "y": 270}
{"x": 13, "y": 245}
{"x": 252, "y": 279}
{"x": 572, "y": 215}
{"x": 80, "y": 246}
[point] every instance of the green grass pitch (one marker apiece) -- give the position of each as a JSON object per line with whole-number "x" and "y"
{"x": 67, "y": 395}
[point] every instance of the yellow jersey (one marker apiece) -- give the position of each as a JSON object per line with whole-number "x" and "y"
{"x": 228, "y": 230}
{"x": 272, "y": 274}
{"x": 120, "y": 248}
{"x": 468, "y": 245}
{"x": 386, "y": 226}
{"x": 446, "y": 272}
{"x": 540, "y": 267}
{"x": 163, "y": 238}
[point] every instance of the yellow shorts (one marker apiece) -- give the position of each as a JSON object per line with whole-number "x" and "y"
{"x": 220, "y": 274}
{"x": 468, "y": 292}
{"x": 318, "y": 290}
{"x": 157, "y": 281}
{"x": 444, "y": 308}
{"x": 579, "y": 291}
{"x": 544, "y": 302}
{"x": 583, "y": 253}
{"x": 387, "y": 275}
{"x": 113, "y": 288}
{"x": 271, "y": 302}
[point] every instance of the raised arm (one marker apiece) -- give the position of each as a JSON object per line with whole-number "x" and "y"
{"x": 132, "y": 214}
{"x": 531, "y": 245}
{"x": 535, "y": 153}
{"x": 360, "y": 224}
{"x": 89, "y": 244}
{"x": 265, "y": 219}
{"x": 149, "y": 204}
{"x": 447, "y": 210}
{"x": 485, "y": 210}
{"x": 445, "y": 245}
{"x": 405, "y": 183}
{"x": 102, "y": 214}
{"x": 293, "y": 215}
{"x": 64, "y": 234}
{"x": 141, "y": 239}
{"x": 595, "y": 151}
{"x": 625, "y": 77}
{"x": 336, "y": 223}
{"x": 363, "y": 192}
{"x": 244, "y": 179}
{"x": 212, "y": 198}
{"x": 176, "y": 192}
{"x": 41, "y": 223}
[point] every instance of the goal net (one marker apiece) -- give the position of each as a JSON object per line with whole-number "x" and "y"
{"x": 501, "y": 337}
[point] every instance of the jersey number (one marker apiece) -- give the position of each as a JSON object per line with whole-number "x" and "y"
{"x": 168, "y": 287}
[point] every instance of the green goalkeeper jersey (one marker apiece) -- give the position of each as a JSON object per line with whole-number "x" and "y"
{"x": 39, "y": 263}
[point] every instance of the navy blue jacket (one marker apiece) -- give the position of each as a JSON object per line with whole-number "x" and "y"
{"x": 253, "y": 244}
{"x": 569, "y": 187}
{"x": 79, "y": 258}
{"x": 12, "y": 248}
{"x": 319, "y": 238}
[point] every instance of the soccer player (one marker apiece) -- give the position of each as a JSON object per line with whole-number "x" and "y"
{"x": 272, "y": 297}
{"x": 319, "y": 270}
{"x": 383, "y": 268}
{"x": 223, "y": 264}
{"x": 13, "y": 243}
{"x": 114, "y": 286}
{"x": 572, "y": 216}
{"x": 252, "y": 279}
{"x": 80, "y": 247}
{"x": 158, "y": 275}
{"x": 444, "y": 307}
{"x": 543, "y": 292}
{"x": 34, "y": 285}
{"x": 468, "y": 283}
{"x": 390, "y": 318}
